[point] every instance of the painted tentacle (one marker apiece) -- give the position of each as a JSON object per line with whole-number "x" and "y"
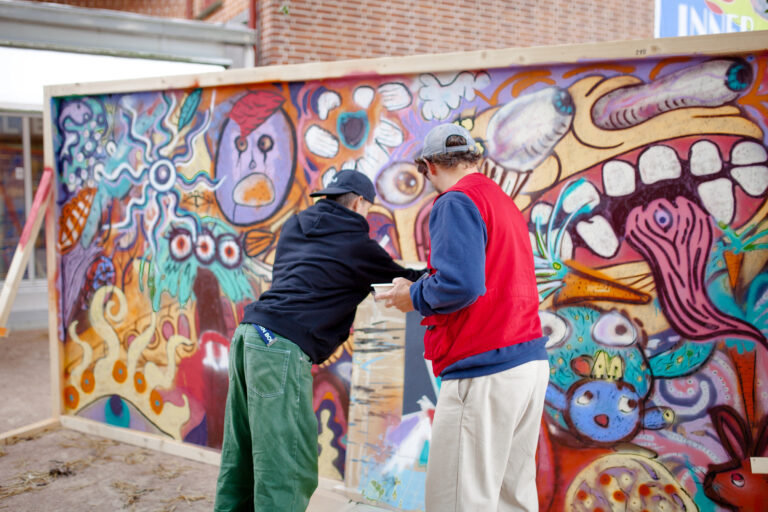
{"x": 676, "y": 238}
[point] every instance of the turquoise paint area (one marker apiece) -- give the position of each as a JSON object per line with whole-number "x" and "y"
{"x": 404, "y": 490}
{"x": 117, "y": 412}
{"x": 353, "y": 128}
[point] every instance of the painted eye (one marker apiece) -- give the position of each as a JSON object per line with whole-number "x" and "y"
{"x": 162, "y": 175}
{"x": 554, "y": 327}
{"x": 738, "y": 479}
{"x": 400, "y": 183}
{"x": 265, "y": 143}
{"x": 627, "y": 404}
{"x": 241, "y": 143}
{"x": 180, "y": 244}
{"x": 739, "y": 75}
{"x": 614, "y": 329}
{"x": 663, "y": 218}
{"x": 229, "y": 251}
{"x": 205, "y": 248}
{"x": 585, "y": 398}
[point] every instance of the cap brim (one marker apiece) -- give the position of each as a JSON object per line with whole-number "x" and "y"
{"x": 330, "y": 191}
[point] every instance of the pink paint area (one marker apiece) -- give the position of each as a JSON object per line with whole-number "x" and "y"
{"x": 675, "y": 238}
{"x": 41, "y": 198}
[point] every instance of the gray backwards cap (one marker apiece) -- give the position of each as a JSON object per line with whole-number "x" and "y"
{"x": 434, "y": 142}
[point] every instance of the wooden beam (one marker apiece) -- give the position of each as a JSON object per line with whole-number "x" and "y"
{"x": 720, "y": 44}
{"x": 29, "y": 430}
{"x": 56, "y": 350}
{"x": 25, "y": 248}
{"x": 143, "y": 439}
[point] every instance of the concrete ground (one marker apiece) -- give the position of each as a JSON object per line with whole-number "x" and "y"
{"x": 66, "y": 470}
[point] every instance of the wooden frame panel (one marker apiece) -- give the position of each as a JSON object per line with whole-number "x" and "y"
{"x": 591, "y": 56}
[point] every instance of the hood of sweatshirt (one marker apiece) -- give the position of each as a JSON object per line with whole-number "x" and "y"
{"x": 328, "y": 218}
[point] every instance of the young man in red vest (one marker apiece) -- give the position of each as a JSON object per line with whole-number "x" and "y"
{"x": 480, "y": 304}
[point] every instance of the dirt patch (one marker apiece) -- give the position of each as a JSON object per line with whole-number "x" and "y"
{"x": 72, "y": 471}
{"x": 25, "y": 378}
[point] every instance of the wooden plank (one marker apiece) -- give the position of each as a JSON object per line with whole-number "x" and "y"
{"x": 143, "y": 439}
{"x": 29, "y": 430}
{"x": 759, "y": 465}
{"x": 55, "y": 348}
{"x": 25, "y": 248}
{"x": 377, "y": 385}
{"x": 721, "y": 44}
{"x": 56, "y": 352}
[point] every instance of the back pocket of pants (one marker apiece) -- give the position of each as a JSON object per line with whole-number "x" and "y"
{"x": 266, "y": 370}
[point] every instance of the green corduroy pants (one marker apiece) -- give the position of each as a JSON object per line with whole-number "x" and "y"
{"x": 269, "y": 453}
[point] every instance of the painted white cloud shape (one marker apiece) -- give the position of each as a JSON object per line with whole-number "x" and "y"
{"x": 443, "y": 92}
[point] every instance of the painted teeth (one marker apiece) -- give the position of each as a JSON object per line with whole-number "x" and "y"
{"x": 395, "y": 96}
{"x": 327, "y": 101}
{"x": 540, "y": 213}
{"x": 321, "y": 142}
{"x": 705, "y": 159}
{"x": 388, "y": 134}
{"x": 717, "y": 198}
{"x": 582, "y": 195}
{"x": 363, "y": 96}
{"x": 753, "y": 179}
{"x": 508, "y": 180}
{"x": 598, "y": 234}
{"x": 748, "y": 153}
{"x": 618, "y": 178}
{"x": 659, "y": 163}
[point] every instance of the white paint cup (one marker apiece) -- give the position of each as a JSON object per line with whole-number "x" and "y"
{"x": 382, "y": 288}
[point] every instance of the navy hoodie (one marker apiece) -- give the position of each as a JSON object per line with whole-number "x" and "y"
{"x": 324, "y": 266}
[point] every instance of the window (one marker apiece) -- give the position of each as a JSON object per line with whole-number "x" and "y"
{"x": 21, "y": 166}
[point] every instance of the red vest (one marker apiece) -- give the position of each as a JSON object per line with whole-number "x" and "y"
{"x": 508, "y": 312}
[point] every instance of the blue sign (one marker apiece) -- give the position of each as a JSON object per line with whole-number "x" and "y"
{"x": 676, "y": 18}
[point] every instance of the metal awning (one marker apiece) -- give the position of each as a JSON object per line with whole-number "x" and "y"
{"x": 46, "y": 26}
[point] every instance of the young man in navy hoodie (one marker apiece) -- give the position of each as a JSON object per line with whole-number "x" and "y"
{"x": 324, "y": 266}
{"x": 480, "y": 304}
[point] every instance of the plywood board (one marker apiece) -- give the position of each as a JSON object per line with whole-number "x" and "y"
{"x": 641, "y": 168}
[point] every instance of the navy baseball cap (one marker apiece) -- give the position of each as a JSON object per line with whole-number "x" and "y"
{"x": 434, "y": 142}
{"x": 349, "y": 181}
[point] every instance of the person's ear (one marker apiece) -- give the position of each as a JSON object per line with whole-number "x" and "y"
{"x": 357, "y": 204}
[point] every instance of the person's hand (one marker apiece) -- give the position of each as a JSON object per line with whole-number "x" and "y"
{"x": 399, "y": 296}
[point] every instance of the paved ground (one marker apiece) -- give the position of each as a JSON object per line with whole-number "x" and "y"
{"x": 66, "y": 470}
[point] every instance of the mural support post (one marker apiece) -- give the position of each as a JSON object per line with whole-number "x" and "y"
{"x": 25, "y": 248}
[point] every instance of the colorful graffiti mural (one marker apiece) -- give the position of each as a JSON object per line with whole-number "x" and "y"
{"x": 644, "y": 185}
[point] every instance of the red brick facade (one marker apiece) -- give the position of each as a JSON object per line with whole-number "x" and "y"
{"x": 292, "y": 31}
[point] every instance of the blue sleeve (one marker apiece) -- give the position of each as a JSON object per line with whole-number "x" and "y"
{"x": 457, "y": 237}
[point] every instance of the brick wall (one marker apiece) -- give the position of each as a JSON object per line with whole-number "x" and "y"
{"x": 163, "y": 9}
{"x": 328, "y": 30}
{"x": 292, "y": 31}
{"x": 166, "y": 8}
{"x": 228, "y": 10}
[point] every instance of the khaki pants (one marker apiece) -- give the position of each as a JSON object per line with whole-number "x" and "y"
{"x": 484, "y": 437}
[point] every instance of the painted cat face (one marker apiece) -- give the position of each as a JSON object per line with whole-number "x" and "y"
{"x": 604, "y": 411}
{"x": 256, "y": 155}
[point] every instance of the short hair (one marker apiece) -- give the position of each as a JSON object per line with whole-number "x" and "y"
{"x": 451, "y": 160}
{"x": 344, "y": 200}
